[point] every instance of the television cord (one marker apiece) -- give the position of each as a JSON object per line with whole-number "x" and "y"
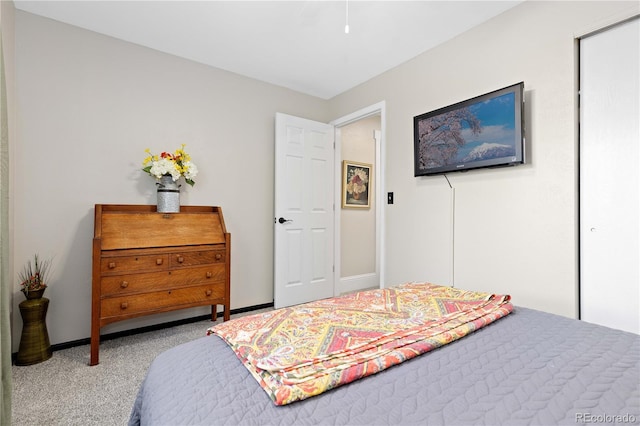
{"x": 453, "y": 232}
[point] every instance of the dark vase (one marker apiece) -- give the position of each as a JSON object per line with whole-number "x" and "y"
{"x": 34, "y": 343}
{"x": 35, "y": 294}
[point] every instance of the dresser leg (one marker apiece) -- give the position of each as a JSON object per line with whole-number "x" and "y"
{"x": 214, "y": 313}
{"x": 227, "y": 312}
{"x": 95, "y": 346}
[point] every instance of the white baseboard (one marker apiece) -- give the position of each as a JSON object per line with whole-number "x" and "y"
{"x": 357, "y": 283}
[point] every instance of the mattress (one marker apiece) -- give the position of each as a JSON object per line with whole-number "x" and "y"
{"x": 530, "y": 367}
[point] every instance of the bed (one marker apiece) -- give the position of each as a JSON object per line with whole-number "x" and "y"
{"x": 528, "y": 367}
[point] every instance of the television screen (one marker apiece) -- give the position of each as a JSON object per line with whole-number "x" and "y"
{"x": 485, "y": 131}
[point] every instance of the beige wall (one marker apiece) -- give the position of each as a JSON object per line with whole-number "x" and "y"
{"x": 358, "y": 226}
{"x": 515, "y": 228}
{"x": 87, "y": 107}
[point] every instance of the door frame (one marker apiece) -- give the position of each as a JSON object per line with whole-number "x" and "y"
{"x": 379, "y": 176}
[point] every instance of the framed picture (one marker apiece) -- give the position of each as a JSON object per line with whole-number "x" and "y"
{"x": 356, "y": 182}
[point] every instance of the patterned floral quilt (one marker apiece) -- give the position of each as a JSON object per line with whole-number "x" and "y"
{"x": 301, "y": 351}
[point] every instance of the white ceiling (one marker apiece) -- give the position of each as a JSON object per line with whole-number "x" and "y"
{"x": 296, "y": 44}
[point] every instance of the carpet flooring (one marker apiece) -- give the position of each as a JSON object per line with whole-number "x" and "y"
{"x": 64, "y": 390}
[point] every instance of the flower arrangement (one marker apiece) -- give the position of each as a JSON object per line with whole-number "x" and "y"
{"x": 357, "y": 181}
{"x": 176, "y": 164}
{"x": 34, "y": 276}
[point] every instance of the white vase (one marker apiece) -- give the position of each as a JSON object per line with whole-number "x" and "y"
{"x": 168, "y": 195}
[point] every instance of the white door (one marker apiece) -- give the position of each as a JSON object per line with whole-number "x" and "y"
{"x": 303, "y": 234}
{"x": 610, "y": 178}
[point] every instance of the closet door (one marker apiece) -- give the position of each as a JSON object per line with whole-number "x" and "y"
{"x": 609, "y": 178}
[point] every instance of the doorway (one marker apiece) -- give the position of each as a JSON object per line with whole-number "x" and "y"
{"x": 301, "y": 274}
{"x": 359, "y": 260}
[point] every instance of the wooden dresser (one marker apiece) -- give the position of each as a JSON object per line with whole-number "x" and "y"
{"x": 146, "y": 262}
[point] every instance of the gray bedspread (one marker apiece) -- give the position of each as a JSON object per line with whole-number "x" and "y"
{"x": 527, "y": 368}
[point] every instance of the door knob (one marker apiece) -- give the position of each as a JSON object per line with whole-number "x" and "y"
{"x": 283, "y": 220}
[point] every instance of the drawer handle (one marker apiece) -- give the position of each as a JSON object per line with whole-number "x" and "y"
{"x": 180, "y": 259}
{"x": 159, "y": 261}
{"x": 209, "y": 274}
{"x": 218, "y": 256}
{"x": 124, "y": 284}
{"x": 208, "y": 292}
{"x": 124, "y": 305}
{"x": 112, "y": 265}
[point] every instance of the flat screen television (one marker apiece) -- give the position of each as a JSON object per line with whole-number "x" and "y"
{"x": 485, "y": 131}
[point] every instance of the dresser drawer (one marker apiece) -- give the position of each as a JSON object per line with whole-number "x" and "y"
{"x": 153, "y": 281}
{"x": 136, "y": 303}
{"x": 191, "y": 258}
{"x": 128, "y": 264}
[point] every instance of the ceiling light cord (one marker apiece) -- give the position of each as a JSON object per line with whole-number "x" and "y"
{"x": 346, "y": 26}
